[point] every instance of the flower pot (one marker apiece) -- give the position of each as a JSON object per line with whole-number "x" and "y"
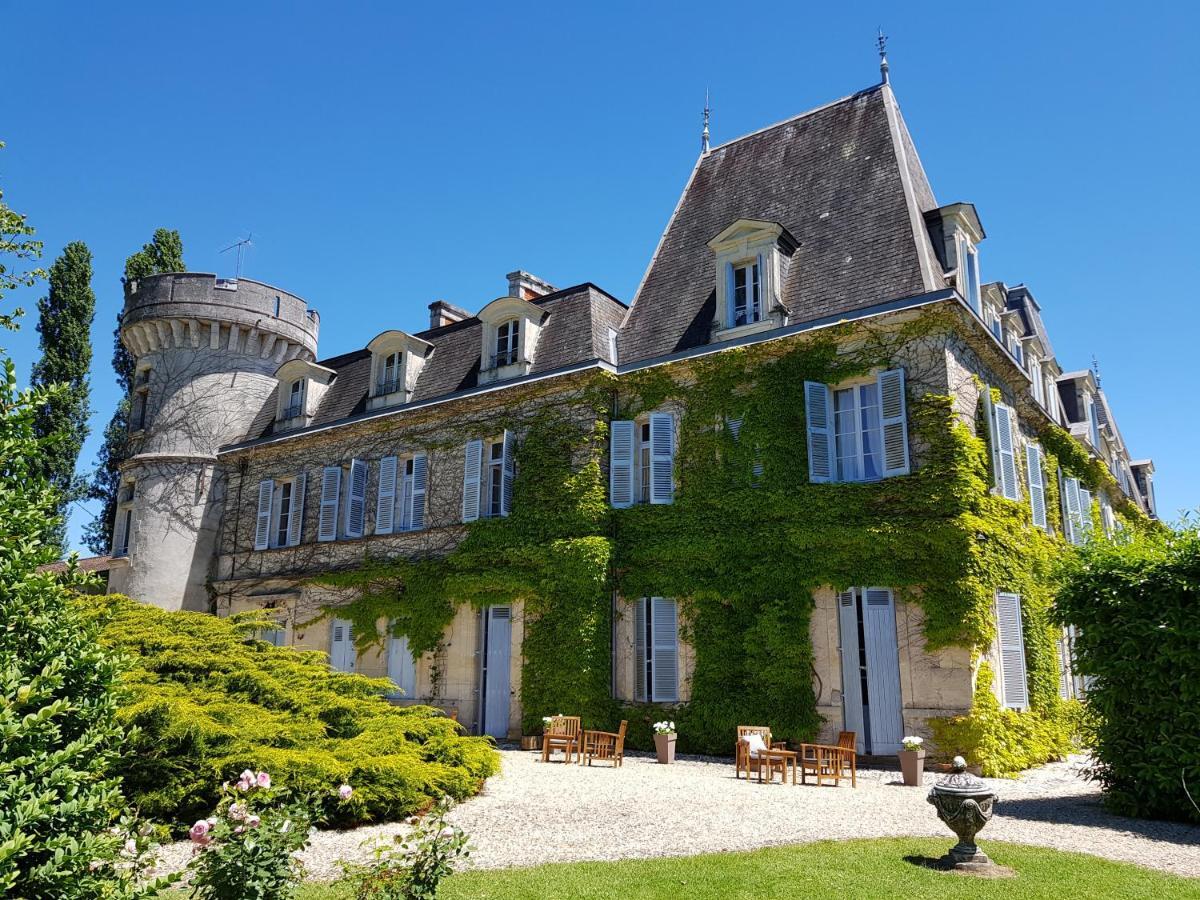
{"x": 912, "y": 766}
{"x": 664, "y": 745}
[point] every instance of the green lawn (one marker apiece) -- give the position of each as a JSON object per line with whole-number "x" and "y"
{"x": 850, "y": 869}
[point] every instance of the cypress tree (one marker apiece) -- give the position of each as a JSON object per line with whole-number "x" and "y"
{"x": 61, "y": 424}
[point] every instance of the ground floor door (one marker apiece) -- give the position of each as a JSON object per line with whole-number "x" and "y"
{"x": 342, "y": 654}
{"x": 495, "y": 657}
{"x": 402, "y": 670}
{"x": 871, "y": 669}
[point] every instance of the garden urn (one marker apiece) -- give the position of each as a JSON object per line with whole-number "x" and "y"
{"x": 912, "y": 766}
{"x": 964, "y": 802}
{"x": 664, "y": 745}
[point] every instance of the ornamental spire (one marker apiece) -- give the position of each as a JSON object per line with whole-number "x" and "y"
{"x": 881, "y": 40}
{"x": 704, "y": 133}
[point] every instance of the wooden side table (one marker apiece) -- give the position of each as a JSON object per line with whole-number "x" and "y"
{"x": 776, "y": 759}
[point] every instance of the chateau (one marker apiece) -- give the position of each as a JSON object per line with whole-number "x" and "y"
{"x": 810, "y": 474}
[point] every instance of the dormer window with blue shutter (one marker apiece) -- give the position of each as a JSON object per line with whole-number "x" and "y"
{"x": 752, "y": 259}
{"x": 857, "y": 431}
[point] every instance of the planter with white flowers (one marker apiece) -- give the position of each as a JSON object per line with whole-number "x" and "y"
{"x": 664, "y": 741}
{"x": 912, "y": 760}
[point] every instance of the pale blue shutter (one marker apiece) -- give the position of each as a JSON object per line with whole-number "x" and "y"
{"x": 296, "y": 513}
{"x": 639, "y": 648}
{"x": 1037, "y": 484}
{"x": 507, "y": 473}
{"x": 262, "y": 525}
{"x": 1069, "y": 491}
{"x": 662, "y": 458}
{"x": 762, "y": 290}
{"x": 818, "y": 411}
{"x": 356, "y": 502}
{"x": 331, "y": 491}
{"x": 1011, "y": 643}
{"x": 420, "y": 483}
{"x": 1007, "y": 454}
{"x": 342, "y": 655}
{"x": 664, "y": 630}
{"x": 401, "y": 667}
{"x": 1085, "y": 511}
{"x": 729, "y": 292}
{"x": 620, "y": 463}
{"x": 472, "y": 468}
{"x": 993, "y": 437}
{"x": 883, "y": 670}
{"x": 852, "y": 705}
{"x": 894, "y": 417}
{"x": 385, "y": 502}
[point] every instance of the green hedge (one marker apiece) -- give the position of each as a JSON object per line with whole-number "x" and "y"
{"x": 208, "y": 701}
{"x": 1136, "y": 605}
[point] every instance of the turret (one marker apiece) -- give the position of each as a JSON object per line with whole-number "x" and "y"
{"x": 205, "y": 350}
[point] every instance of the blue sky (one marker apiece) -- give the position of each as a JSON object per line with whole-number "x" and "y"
{"x": 386, "y": 155}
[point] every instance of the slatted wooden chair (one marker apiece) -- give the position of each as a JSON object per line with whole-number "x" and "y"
{"x": 830, "y": 761}
{"x": 563, "y": 733}
{"x": 604, "y": 745}
{"x": 743, "y": 760}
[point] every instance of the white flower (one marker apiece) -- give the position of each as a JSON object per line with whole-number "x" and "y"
{"x": 912, "y": 742}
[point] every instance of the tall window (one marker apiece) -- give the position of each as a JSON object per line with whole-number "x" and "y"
{"x": 494, "y": 479}
{"x": 857, "y": 432}
{"x": 283, "y": 512}
{"x": 1094, "y": 422}
{"x": 970, "y": 263}
{"x": 747, "y": 303}
{"x": 295, "y": 404}
{"x": 126, "y": 526}
{"x": 389, "y": 374}
{"x": 507, "y": 342}
{"x": 643, "y": 463}
{"x": 656, "y": 650}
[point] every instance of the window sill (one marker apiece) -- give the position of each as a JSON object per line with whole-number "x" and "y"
{"x": 395, "y": 398}
{"x": 503, "y": 373}
{"x": 775, "y": 320}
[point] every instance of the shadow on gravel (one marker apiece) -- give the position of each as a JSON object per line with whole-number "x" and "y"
{"x": 1090, "y": 812}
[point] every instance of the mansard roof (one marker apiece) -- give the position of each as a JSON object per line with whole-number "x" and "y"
{"x": 843, "y": 179}
{"x": 1021, "y": 299}
{"x": 575, "y": 330}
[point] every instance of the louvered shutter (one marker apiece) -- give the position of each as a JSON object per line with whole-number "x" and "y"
{"x": 331, "y": 492}
{"x": 1012, "y": 650}
{"x": 735, "y": 427}
{"x": 730, "y": 290}
{"x": 507, "y": 474}
{"x": 993, "y": 438}
{"x": 662, "y": 458}
{"x": 356, "y": 501}
{"x": 262, "y": 525}
{"x": 342, "y": 655}
{"x": 1074, "y": 500}
{"x": 639, "y": 649}
{"x": 1085, "y": 511}
{"x": 472, "y": 468}
{"x": 818, "y": 411}
{"x": 1037, "y": 484}
{"x": 1007, "y": 454}
{"x": 420, "y": 483}
{"x": 620, "y": 463}
{"x": 894, "y": 417}
{"x": 762, "y": 289}
{"x": 664, "y": 630}
{"x": 296, "y": 513}
{"x": 385, "y": 502}
{"x": 1064, "y": 668}
{"x": 852, "y": 706}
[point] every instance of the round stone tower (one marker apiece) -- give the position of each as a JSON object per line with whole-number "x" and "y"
{"x": 206, "y": 351}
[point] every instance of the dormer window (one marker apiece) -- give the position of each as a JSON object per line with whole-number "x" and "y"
{"x": 508, "y": 342}
{"x": 302, "y": 384}
{"x": 747, "y": 298}
{"x": 752, "y": 260}
{"x": 510, "y": 330}
{"x": 391, "y": 374}
{"x": 956, "y": 232}
{"x": 970, "y": 275}
{"x": 396, "y": 361}
{"x": 295, "y": 403}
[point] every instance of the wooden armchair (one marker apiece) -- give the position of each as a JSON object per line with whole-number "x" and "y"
{"x": 742, "y": 759}
{"x": 830, "y": 761}
{"x": 563, "y": 733}
{"x": 609, "y": 745}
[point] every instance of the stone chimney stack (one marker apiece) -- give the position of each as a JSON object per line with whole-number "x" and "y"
{"x": 527, "y": 287}
{"x": 444, "y": 313}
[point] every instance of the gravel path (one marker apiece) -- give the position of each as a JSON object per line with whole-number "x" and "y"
{"x": 535, "y": 813}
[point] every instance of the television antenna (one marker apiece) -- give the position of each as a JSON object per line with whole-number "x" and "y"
{"x": 241, "y": 250}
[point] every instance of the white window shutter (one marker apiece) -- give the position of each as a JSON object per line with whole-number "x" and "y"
{"x": 818, "y": 411}
{"x": 662, "y": 458}
{"x": 385, "y": 503}
{"x": 993, "y": 437}
{"x": 416, "y": 515}
{"x": 729, "y": 292}
{"x": 1069, "y": 488}
{"x": 262, "y": 526}
{"x": 639, "y": 648}
{"x": 735, "y": 427}
{"x": 356, "y": 501}
{"x": 894, "y": 417}
{"x": 1007, "y": 453}
{"x": 664, "y": 631}
{"x": 620, "y": 463}
{"x": 1085, "y": 511}
{"x": 472, "y": 469}
{"x": 331, "y": 492}
{"x": 507, "y": 473}
{"x": 296, "y": 513}
{"x": 1012, "y": 650}
{"x": 1037, "y": 484}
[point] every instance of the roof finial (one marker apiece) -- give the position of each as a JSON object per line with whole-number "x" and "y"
{"x": 883, "y": 63}
{"x": 704, "y": 133}
{"x": 1096, "y": 369}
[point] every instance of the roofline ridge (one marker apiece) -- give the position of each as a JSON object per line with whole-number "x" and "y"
{"x": 797, "y": 117}
{"x": 921, "y": 242}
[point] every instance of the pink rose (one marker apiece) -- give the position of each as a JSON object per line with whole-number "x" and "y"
{"x": 199, "y": 832}
{"x": 345, "y": 791}
{"x": 239, "y": 829}
{"x": 264, "y": 780}
{"x": 243, "y": 785}
{"x": 237, "y": 812}
{"x": 252, "y": 821}
{"x": 246, "y": 776}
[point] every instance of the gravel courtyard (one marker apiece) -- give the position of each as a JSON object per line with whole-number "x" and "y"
{"x": 534, "y": 812}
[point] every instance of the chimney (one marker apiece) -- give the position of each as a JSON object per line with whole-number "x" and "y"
{"x": 443, "y": 313}
{"x": 527, "y": 287}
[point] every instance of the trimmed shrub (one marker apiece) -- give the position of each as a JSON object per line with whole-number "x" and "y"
{"x": 1136, "y": 605}
{"x": 209, "y": 699}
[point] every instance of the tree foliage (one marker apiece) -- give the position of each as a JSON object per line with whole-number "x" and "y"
{"x": 64, "y": 324}
{"x": 18, "y": 249}
{"x": 1135, "y": 603}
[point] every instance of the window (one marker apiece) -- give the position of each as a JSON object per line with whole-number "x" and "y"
{"x": 747, "y": 295}
{"x": 391, "y": 375}
{"x": 342, "y": 655}
{"x": 857, "y": 432}
{"x": 1010, "y": 641}
{"x": 283, "y": 513}
{"x": 994, "y": 324}
{"x": 123, "y": 524}
{"x": 970, "y": 275}
{"x": 642, "y": 460}
{"x": 280, "y": 512}
{"x": 401, "y": 667}
{"x": 401, "y": 501}
{"x": 1038, "y": 386}
{"x": 295, "y": 401}
{"x": 756, "y": 464}
{"x": 656, "y": 650}
{"x": 1094, "y": 422}
{"x": 488, "y": 471}
{"x": 507, "y": 343}
{"x": 1075, "y": 514}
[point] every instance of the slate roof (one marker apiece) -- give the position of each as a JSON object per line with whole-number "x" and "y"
{"x": 845, "y": 179}
{"x": 574, "y": 330}
{"x": 1020, "y": 299}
